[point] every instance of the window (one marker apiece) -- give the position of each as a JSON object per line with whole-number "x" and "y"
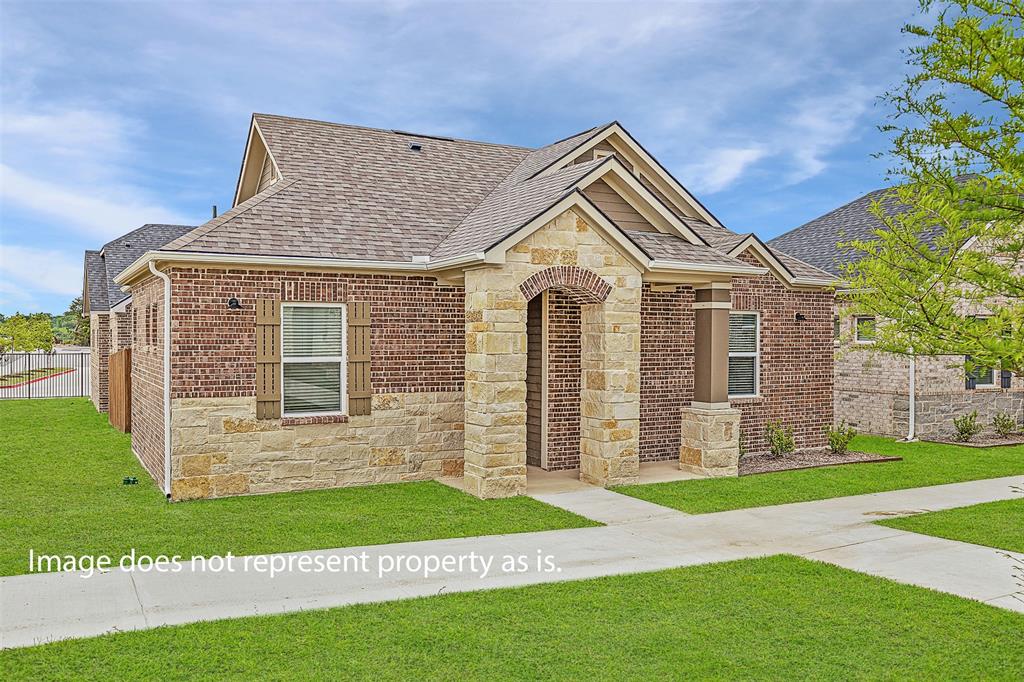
{"x": 981, "y": 376}
{"x": 313, "y": 358}
{"x": 865, "y": 329}
{"x": 835, "y": 328}
{"x": 744, "y": 343}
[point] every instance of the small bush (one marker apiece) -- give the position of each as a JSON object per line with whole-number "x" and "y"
{"x": 1005, "y": 425}
{"x": 839, "y": 438}
{"x": 967, "y": 426}
{"x": 780, "y": 439}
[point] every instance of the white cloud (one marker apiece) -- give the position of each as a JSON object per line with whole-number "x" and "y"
{"x": 820, "y": 125}
{"x": 103, "y": 211}
{"x": 720, "y": 168}
{"x": 26, "y": 269}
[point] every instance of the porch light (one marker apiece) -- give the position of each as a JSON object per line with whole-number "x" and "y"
{"x": 800, "y": 317}
{"x": 233, "y": 304}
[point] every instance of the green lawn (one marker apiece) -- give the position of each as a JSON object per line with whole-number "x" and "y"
{"x": 923, "y": 464}
{"x": 61, "y": 493}
{"x": 994, "y": 524}
{"x": 773, "y": 618}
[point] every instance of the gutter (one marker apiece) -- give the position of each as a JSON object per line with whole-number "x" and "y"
{"x": 167, "y": 375}
{"x": 912, "y": 401}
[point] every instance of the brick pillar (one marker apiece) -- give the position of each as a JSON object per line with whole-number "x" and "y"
{"x": 610, "y": 386}
{"x": 710, "y": 426}
{"x": 99, "y": 353}
{"x": 495, "y": 438}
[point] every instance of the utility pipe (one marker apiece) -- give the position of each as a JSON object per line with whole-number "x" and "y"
{"x": 912, "y": 381}
{"x": 167, "y": 376}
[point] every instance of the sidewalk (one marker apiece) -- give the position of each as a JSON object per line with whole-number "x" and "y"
{"x": 640, "y": 537}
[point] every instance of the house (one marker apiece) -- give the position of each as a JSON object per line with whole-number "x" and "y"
{"x": 107, "y": 306}
{"x": 879, "y": 392}
{"x": 382, "y": 306}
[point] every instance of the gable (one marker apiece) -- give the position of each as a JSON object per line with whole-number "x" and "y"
{"x": 259, "y": 170}
{"x": 615, "y": 139}
{"x": 615, "y": 206}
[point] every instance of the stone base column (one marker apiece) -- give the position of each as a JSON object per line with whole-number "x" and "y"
{"x": 710, "y": 441}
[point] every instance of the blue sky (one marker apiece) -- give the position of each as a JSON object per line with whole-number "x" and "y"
{"x": 114, "y": 115}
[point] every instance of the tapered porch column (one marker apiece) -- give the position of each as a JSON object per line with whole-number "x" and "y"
{"x": 710, "y": 427}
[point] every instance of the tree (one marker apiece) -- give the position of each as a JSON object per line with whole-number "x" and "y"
{"x": 71, "y": 327}
{"x": 946, "y": 275}
{"x": 26, "y": 333}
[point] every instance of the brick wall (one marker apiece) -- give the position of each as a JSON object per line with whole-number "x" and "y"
{"x": 99, "y": 347}
{"x": 796, "y": 361}
{"x": 416, "y": 335}
{"x": 121, "y": 330}
{"x": 872, "y": 390}
{"x": 563, "y": 404}
{"x": 666, "y": 370}
{"x": 145, "y": 322}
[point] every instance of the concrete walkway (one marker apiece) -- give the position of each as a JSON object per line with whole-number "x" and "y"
{"x": 640, "y": 537}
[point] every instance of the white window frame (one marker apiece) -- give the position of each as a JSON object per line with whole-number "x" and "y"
{"x": 856, "y": 328}
{"x": 746, "y": 354}
{"x": 342, "y": 359}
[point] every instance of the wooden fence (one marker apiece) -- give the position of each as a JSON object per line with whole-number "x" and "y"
{"x": 119, "y": 406}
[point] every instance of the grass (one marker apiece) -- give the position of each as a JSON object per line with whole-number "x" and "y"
{"x": 61, "y": 493}
{"x": 11, "y": 380}
{"x": 923, "y": 464}
{"x": 993, "y": 524}
{"x": 773, "y": 618}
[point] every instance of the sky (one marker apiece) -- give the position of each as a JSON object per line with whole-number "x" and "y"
{"x": 113, "y": 115}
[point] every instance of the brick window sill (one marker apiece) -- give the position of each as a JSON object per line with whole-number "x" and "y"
{"x": 752, "y": 400}
{"x": 314, "y": 419}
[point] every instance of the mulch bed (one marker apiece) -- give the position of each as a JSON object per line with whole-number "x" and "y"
{"x": 986, "y": 439}
{"x": 805, "y": 459}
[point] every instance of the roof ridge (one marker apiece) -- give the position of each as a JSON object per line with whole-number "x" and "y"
{"x": 837, "y": 209}
{"x": 392, "y": 131}
{"x": 229, "y": 215}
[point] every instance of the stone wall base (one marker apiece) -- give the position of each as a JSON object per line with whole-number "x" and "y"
{"x": 710, "y": 443}
{"x": 219, "y": 448}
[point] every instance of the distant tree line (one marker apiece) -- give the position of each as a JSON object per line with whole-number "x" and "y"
{"x": 24, "y": 333}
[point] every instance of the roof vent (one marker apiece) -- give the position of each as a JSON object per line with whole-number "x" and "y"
{"x": 416, "y": 146}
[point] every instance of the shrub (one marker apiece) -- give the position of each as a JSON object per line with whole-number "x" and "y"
{"x": 839, "y": 438}
{"x": 780, "y": 439}
{"x": 1005, "y": 425}
{"x": 967, "y": 426}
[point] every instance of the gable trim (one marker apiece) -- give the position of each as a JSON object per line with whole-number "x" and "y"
{"x": 636, "y": 148}
{"x": 777, "y": 267}
{"x": 254, "y": 130}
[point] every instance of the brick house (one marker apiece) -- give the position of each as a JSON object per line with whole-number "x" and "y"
{"x": 380, "y": 306}
{"x": 107, "y": 306}
{"x": 880, "y": 392}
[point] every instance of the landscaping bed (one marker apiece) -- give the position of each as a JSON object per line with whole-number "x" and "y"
{"x": 983, "y": 440}
{"x": 805, "y": 459}
{"x": 31, "y": 376}
{"x": 774, "y": 618}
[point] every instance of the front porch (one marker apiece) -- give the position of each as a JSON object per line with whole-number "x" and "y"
{"x": 506, "y": 422}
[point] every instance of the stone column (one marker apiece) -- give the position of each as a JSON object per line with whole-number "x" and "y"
{"x": 610, "y": 386}
{"x": 495, "y": 440}
{"x": 710, "y": 426}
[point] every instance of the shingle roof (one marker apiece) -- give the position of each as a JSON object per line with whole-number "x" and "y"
{"x": 102, "y": 266}
{"x": 817, "y": 242}
{"x": 669, "y": 247}
{"x": 349, "y": 192}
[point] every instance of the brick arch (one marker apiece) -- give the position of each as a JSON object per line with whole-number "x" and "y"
{"x": 583, "y": 285}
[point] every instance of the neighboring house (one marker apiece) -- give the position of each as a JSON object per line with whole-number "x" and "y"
{"x": 107, "y": 307}
{"x": 381, "y": 306}
{"x": 872, "y": 389}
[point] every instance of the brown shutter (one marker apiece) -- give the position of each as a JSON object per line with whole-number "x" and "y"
{"x": 359, "y": 392}
{"x": 268, "y": 359}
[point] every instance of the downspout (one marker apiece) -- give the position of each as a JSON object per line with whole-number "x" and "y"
{"x": 911, "y": 428}
{"x": 167, "y": 376}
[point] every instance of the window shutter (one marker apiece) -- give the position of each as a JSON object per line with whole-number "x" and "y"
{"x": 268, "y": 359}
{"x": 1005, "y": 377}
{"x": 359, "y": 392}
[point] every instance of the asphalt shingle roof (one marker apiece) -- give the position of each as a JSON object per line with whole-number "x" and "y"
{"x": 102, "y": 266}
{"x": 669, "y": 247}
{"x": 817, "y": 242}
{"x": 349, "y": 192}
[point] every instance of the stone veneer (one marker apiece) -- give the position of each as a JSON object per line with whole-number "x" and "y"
{"x": 220, "y": 448}
{"x": 495, "y": 452}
